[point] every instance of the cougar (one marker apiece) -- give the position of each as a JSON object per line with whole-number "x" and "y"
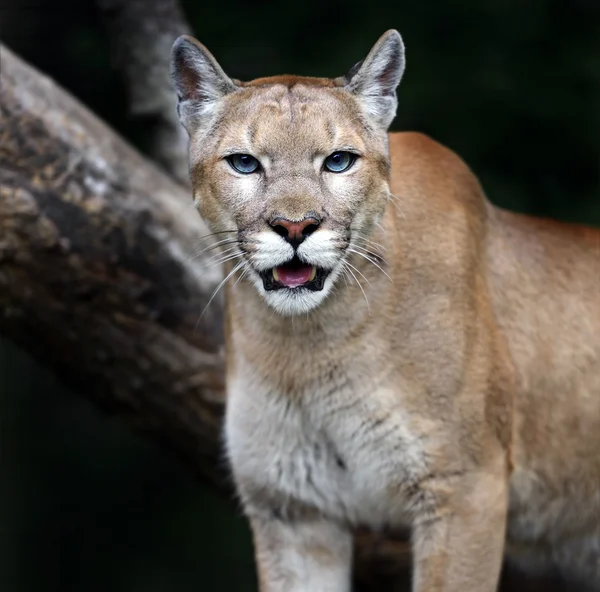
{"x": 400, "y": 352}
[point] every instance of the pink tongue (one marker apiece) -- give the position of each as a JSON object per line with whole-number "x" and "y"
{"x": 294, "y": 276}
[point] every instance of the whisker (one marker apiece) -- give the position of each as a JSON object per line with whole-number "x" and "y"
{"x": 211, "y": 265}
{"x": 373, "y": 246}
{"x": 396, "y": 201}
{"x": 215, "y": 258}
{"x": 359, "y": 285}
{"x": 345, "y": 276}
{"x": 204, "y": 238}
{"x": 242, "y": 276}
{"x": 358, "y": 271}
{"x": 212, "y": 257}
{"x": 372, "y": 254}
{"x": 224, "y": 259}
{"x": 372, "y": 262}
{"x": 223, "y": 282}
{"x": 229, "y": 249}
{"x": 369, "y": 241}
{"x": 378, "y": 257}
{"x": 220, "y": 243}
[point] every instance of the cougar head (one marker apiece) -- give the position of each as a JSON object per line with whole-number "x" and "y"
{"x": 291, "y": 170}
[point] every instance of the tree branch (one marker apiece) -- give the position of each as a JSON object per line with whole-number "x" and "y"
{"x": 95, "y": 274}
{"x": 141, "y": 34}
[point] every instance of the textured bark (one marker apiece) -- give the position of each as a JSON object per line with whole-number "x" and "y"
{"x": 97, "y": 282}
{"x": 141, "y": 33}
{"x": 96, "y": 278}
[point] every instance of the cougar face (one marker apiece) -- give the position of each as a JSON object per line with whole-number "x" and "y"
{"x": 292, "y": 171}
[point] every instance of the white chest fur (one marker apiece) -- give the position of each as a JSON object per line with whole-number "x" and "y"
{"x": 348, "y": 456}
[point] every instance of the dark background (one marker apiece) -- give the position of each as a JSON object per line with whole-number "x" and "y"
{"x": 513, "y": 86}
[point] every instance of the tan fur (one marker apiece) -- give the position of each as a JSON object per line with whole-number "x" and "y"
{"x": 456, "y": 389}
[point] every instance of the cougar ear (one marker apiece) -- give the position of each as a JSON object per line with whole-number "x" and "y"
{"x": 374, "y": 80}
{"x": 198, "y": 80}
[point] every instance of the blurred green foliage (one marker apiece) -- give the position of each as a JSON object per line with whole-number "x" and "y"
{"x": 512, "y": 86}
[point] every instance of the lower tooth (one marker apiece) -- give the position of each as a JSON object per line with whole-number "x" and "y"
{"x": 313, "y": 273}
{"x": 275, "y": 274}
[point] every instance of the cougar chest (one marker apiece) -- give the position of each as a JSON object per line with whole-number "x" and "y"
{"x": 336, "y": 451}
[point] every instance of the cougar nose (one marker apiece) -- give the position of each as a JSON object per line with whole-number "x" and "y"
{"x": 295, "y": 232}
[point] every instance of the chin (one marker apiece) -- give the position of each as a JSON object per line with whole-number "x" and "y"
{"x": 299, "y": 300}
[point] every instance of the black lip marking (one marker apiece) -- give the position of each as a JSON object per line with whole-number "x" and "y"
{"x": 315, "y": 285}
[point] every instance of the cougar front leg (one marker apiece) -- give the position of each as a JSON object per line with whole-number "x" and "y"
{"x": 459, "y": 548}
{"x": 311, "y": 556}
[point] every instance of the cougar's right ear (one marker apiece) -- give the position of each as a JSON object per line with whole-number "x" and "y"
{"x": 198, "y": 80}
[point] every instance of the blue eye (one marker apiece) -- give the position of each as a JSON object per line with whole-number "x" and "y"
{"x": 243, "y": 163}
{"x": 338, "y": 162}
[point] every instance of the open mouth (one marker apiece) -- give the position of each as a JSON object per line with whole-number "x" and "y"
{"x": 294, "y": 274}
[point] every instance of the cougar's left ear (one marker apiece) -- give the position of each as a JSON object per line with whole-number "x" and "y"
{"x": 374, "y": 80}
{"x": 198, "y": 79}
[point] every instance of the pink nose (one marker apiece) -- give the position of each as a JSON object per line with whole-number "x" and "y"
{"x": 294, "y": 232}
